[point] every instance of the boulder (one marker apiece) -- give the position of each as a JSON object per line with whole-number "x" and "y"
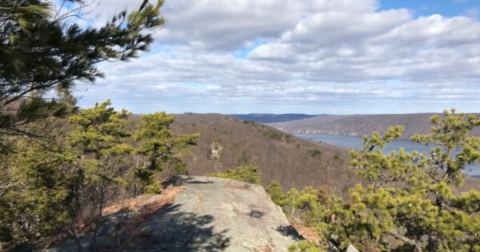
{"x": 208, "y": 214}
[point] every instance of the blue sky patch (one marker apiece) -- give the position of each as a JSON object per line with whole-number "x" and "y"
{"x": 243, "y": 53}
{"x": 448, "y": 8}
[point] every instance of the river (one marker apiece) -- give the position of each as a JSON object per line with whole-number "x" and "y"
{"x": 356, "y": 142}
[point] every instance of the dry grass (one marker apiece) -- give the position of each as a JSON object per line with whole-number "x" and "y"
{"x": 145, "y": 203}
{"x": 244, "y": 187}
{"x": 308, "y": 233}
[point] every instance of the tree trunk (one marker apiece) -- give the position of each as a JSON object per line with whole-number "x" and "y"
{"x": 93, "y": 244}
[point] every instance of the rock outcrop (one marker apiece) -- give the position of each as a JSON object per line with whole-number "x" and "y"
{"x": 208, "y": 214}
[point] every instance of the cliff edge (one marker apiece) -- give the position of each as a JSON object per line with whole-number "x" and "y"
{"x": 196, "y": 214}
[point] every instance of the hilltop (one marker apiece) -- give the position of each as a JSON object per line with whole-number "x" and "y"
{"x": 359, "y": 124}
{"x": 228, "y": 142}
{"x": 272, "y": 118}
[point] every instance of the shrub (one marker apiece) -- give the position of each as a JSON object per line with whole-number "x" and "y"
{"x": 273, "y": 134}
{"x": 247, "y": 173}
{"x": 275, "y": 191}
{"x": 337, "y": 157}
{"x": 424, "y": 214}
{"x": 315, "y": 153}
{"x": 304, "y": 246}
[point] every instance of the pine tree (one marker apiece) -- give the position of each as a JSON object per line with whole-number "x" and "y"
{"x": 50, "y": 188}
{"x": 34, "y": 189}
{"x": 159, "y": 147}
{"x": 42, "y": 51}
{"x": 99, "y": 138}
{"x": 412, "y": 201}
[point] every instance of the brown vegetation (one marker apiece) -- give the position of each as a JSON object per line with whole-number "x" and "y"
{"x": 307, "y": 232}
{"x": 147, "y": 203}
{"x": 279, "y": 156}
{"x": 238, "y": 187}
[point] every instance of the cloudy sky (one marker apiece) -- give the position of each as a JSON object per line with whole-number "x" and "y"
{"x": 300, "y": 56}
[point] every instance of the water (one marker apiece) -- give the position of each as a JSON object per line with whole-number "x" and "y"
{"x": 356, "y": 142}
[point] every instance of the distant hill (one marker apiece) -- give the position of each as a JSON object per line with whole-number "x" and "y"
{"x": 227, "y": 142}
{"x": 359, "y": 124}
{"x": 272, "y": 118}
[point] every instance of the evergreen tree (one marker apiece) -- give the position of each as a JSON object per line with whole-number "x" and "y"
{"x": 34, "y": 188}
{"x": 160, "y": 148}
{"x": 99, "y": 139}
{"x": 47, "y": 189}
{"x": 412, "y": 201}
{"x": 42, "y": 51}
{"x": 246, "y": 173}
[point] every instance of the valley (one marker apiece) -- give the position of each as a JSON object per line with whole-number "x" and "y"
{"x": 227, "y": 142}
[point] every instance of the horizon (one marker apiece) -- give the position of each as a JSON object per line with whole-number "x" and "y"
{"x": 313, "y": 57}
{"x": 216, "y": 113}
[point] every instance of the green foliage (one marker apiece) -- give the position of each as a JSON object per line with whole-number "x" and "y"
{"x": 159, "y": 146}
{"x": 275, "y": 191}
{"x": 33, "y": 191}
{"x": 50, "y": 188}
{"x": 254, "y": 124}
{"x": 314, "y": 207}
{"x": 273, "y": 134}
{"x": 304, "y": 246}
{"x": 153, "y": 187}
{"x": 177, "y": 166}
{"x": 410, "y": 202}
{"x": 100, "y": 131}
{"x": 315, "y": 153}
{"x": 43, "y": 51}
{"x": 276, "y": 135}
{"x": 337, "y": 157}
{"x": 247, "y": 173}
{"x": 99, "y": 138}
{"x": 288, "y": 138}
{"x": 243, "y": 159}
{"x": 64, "y": 173}
{"x": 423, "y": 213}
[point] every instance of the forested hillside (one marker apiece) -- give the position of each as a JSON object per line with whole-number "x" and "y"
{"x": 360, "y": 124}
{"x": 272, "y": 118}
{"x": 227, "y": 142}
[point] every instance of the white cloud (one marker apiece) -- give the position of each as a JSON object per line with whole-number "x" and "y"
{"x": 311, "y": 52}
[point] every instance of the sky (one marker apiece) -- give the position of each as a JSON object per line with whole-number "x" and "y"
{"x": 299, "y": 56}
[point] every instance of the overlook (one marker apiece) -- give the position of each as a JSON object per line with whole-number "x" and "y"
{"x": 239, "y": 125}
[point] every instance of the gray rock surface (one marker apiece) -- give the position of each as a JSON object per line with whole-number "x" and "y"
{"x": 211, "y": 214}
{"x": 351, "y": 248}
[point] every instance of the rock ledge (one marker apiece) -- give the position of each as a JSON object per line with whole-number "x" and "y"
{"x": 208, "y": 214}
